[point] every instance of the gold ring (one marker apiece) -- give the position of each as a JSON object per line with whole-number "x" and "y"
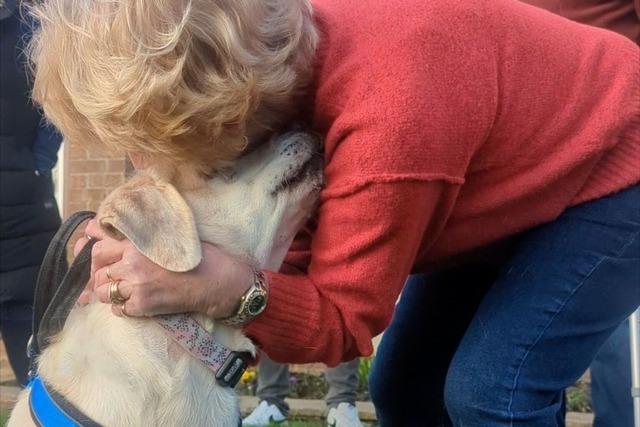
{"x": 109, "y": 276}
{"x": 114, "y": 293}
{"x": 122, "y": 310}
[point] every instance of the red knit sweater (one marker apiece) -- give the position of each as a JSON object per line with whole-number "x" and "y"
{"x": 450, "y": 124}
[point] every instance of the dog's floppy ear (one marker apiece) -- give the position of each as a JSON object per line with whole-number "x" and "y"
{"x": 157, "y": 220}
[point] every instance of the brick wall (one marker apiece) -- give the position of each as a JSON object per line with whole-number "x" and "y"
{"x": 89, "y": 176}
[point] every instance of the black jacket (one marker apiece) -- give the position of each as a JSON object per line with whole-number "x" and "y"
{"x": 28, "y": 213}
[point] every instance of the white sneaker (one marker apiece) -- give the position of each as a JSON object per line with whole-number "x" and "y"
{"x": 344, "y": 415}
{"x": 263, "y": 415}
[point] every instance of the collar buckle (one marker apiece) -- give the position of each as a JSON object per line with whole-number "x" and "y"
{"x": 232, "y": 369}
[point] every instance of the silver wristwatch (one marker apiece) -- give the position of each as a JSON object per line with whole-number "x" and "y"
{"x": 252, "y": 303}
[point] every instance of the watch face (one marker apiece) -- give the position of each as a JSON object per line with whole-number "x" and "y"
{"x": 256, "y": 305}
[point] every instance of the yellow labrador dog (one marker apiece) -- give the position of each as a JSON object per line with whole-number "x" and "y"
{"x": 127, "y": 371}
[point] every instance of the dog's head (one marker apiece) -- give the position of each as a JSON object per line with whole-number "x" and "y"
{"x": 252, "y": 212}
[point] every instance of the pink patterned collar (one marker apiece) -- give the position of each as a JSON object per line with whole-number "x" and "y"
{"x": 227, "y": 365}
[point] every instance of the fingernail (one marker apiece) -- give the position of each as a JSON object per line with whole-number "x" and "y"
{"x": 83, "y": 299}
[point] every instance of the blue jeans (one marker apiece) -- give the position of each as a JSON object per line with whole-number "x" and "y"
{"x": 495, "y": 341}
{"x": 611, "y": 381}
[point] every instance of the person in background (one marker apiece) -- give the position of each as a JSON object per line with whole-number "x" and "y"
{"x": 273, "y": 388}
{"x": 611, "y": 369}
{"x": 621, "y": 16}
{"x": 28, "y": 211}
{"x": 611, "y": 381}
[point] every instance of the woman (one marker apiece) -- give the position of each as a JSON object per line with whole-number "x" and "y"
{"x": 489, "y": 143}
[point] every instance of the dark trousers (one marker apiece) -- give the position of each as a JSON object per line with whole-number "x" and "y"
{"x": 611, "y": 381}
{"x": 273, "y": 383}
{"x": 15, "y": 326}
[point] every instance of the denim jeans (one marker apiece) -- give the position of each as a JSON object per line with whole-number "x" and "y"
{"x": 495, "y": 343}
{"x": 611, "y": 381}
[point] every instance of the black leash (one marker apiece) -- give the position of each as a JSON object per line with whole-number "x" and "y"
{"x": 57, "y": 290}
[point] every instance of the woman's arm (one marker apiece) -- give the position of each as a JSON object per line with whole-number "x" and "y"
{"x": 364, "y": 247}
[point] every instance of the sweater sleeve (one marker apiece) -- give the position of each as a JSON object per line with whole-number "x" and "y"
{"x": 363, "y": 249}
{"x": 46, "y": 146}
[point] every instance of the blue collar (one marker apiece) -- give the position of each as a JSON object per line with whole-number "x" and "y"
{"x": 48, "y": 408}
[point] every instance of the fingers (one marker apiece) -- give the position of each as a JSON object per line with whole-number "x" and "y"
{"x": 146, "y": 288}
{"x": 86, "y": 297}
{"x": 140, "y": 299}
{"x": 127, "y": 309}
{"x": 125, "y": 290}
{"x": 82, "y": 241}
{"x": 79, "y": 245}
{"x": 138, "y": 302}
{"x": 106, "y": 252}
{"x": 117, "y": 271}
{"x": 147, "y": 299}
{"x": 120, "y": 310}
{"x": 120, "y": 262}
{"x": 91, "y": 231}
{"x": 94, "y": 231}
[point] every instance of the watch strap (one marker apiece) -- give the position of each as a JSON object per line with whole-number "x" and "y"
{"x": 244, "y": 315}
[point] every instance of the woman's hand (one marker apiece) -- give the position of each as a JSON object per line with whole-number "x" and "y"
{"x": 214, "y": 287}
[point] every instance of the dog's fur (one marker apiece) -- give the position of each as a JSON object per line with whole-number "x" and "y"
{"x": 126, "y": 371}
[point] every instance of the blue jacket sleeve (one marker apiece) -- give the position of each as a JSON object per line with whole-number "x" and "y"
{"x": 46, "y": 146}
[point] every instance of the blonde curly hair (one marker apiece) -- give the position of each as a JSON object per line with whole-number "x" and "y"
{"x": 174, "y": 80}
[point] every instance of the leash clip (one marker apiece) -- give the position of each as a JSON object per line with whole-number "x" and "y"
{"x": 232, "y": 369}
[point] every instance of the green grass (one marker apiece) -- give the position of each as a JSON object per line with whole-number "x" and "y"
{"x": 579, "y": 398}
{"x": 4, "y": 416}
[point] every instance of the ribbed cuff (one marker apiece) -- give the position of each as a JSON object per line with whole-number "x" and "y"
{"x": 290, "y": 319}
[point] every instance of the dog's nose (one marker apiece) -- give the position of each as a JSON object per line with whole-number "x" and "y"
{"x": 294, "y": 143}
{"x": 299, "y": 157}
